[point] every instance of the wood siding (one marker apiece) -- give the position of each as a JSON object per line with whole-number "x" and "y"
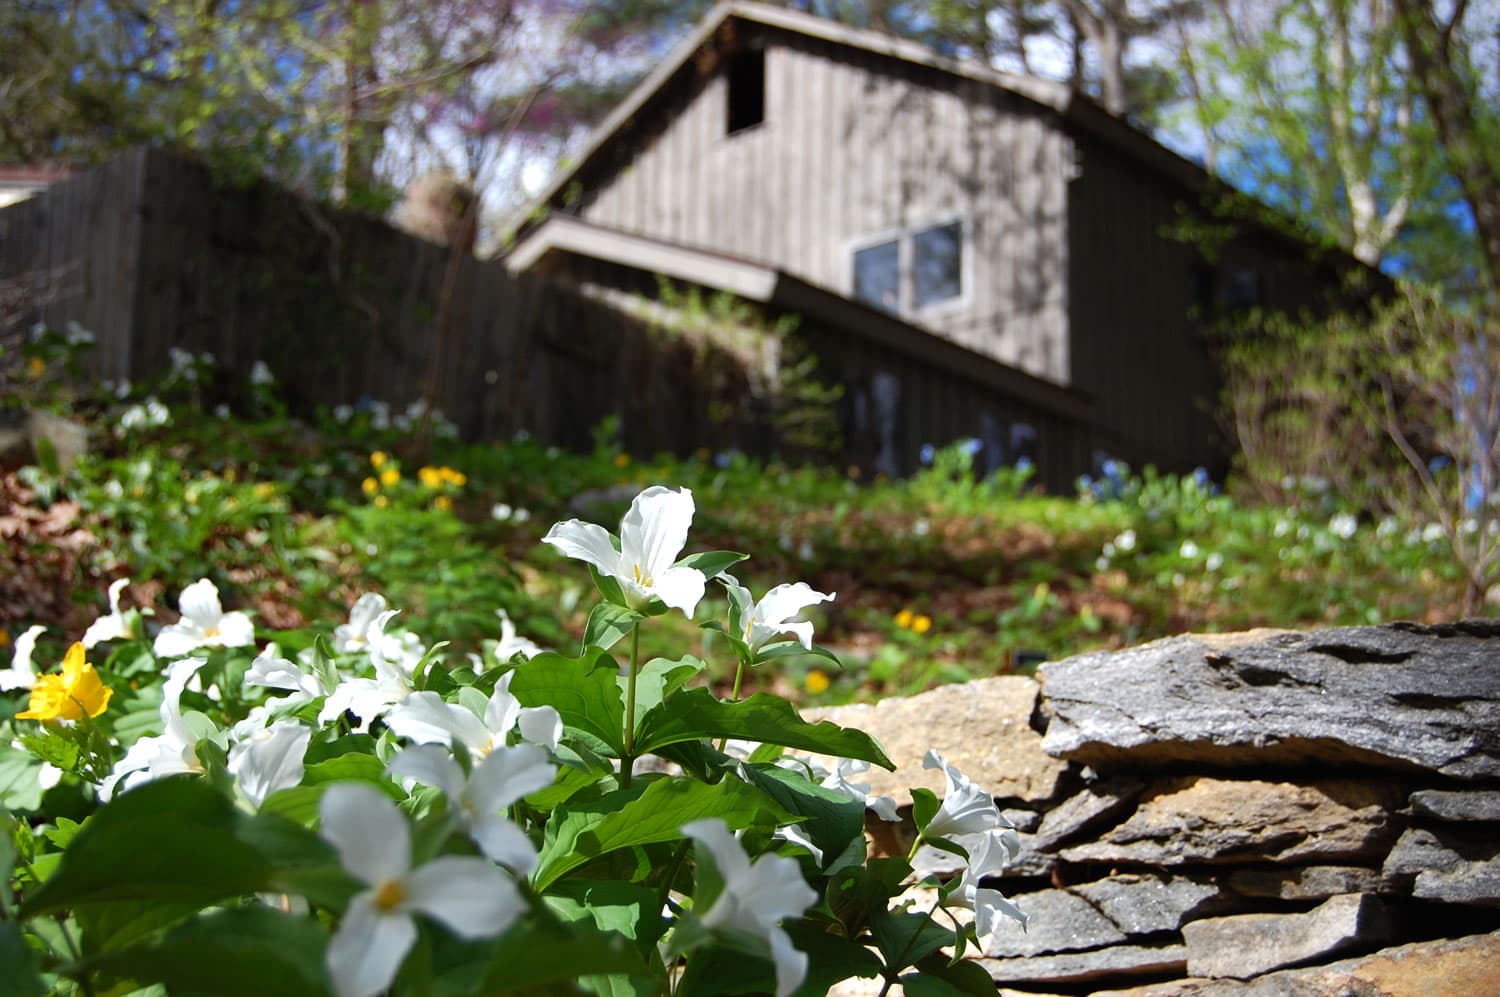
{"x": 849, "y": 150}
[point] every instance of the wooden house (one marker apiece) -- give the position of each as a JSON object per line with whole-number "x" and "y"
{"x": 991, "y": 255}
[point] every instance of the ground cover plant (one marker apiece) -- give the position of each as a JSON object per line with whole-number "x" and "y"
{"x": 349, "y": 811}
{"x": 286, "y": 634}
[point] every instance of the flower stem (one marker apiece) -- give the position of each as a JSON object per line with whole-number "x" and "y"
{"x": 890, "y": 978}
{"x": 734, "y": 695}
{"x": 627, "y": 760}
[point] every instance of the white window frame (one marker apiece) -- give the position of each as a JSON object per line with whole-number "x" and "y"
{"x": 905, "y": 238}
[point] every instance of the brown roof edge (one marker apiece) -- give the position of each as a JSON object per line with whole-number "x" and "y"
{"x": 562, "y": 236}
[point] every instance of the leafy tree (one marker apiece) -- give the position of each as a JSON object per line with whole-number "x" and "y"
{"x": 1455, "y": 61}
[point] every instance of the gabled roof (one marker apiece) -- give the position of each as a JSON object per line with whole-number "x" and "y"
{"x": 1049, "y": 95}
{"x": 548, "y": 246}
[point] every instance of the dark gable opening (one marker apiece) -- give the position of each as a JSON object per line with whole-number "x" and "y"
{"x": 747, "y": 89}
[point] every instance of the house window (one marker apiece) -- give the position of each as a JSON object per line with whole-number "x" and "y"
{"x": 914, "y": 270}
{"x": 747, "y": 89}
{"x": 877, "y": 275}
{"x": 937, "y": 264}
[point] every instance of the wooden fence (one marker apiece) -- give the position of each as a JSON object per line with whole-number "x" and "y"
{"x": 150, "y": 254}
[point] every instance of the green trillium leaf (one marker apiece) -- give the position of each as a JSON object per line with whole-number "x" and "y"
{"x": 696, "y": 714}
{"x": 712, "y": 562}
{"x": 607, "y": 624}
{"x": 582, "y": 690}
{"x": 578, "y": 833}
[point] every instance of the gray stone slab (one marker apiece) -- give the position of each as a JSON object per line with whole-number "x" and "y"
{"x": 1460, "y": 967}
{"x": 1096, "y": 806}
{"x": 1247, "y": 945}
{"x": 1457, "y": 805}
{"x": 1199, "y": 819}
{"x": 1447, "y": 864}
{"x": 1150, "y": 903}
{"x": 1402, "y": 696}
{"x": 1313, "y": 882}
{"x": 1089, "y": 967}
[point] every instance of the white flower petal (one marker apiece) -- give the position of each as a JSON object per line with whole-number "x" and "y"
{"x": 236, "y": 630}
{"x": 367, "y": 950}
{"x": 655, "y": 530}
{"x": 425, "y": 718}
{"x": 199, "y": 603}
{"x": 791, "y": 965}
{"x": 467, "y": 894}
{"x": 22, "y": 673}
{"x": 367, "y": 831}
{"x": 430, "y": 764}
{"x": 966, "y": 808}
{"x": 270, "y": 760}
{"x": 505, "y": 843}
{"x": 541, "y": 725}
{"x": 176, "y": 640}
{"x": 587, "y": 542}
{"x": 505, "y": 775}
{"x": 728, "y": 853}
{"x": 680, "y": 588}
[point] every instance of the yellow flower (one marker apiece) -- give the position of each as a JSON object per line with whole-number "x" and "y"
{"x": 4, "y": 637}
{"x": 369, "y": 486}
{"x": 455, "y": 478}
{"x": 816, "y": 682}
{"x": 265, "y": 489}
{"x": 921, "y": 624}
{"x": 381, "y": 501}
{"x": 903, "y": 619}
{"x": 378, "y": 459}
{"x": 36, "y": 367}
{"x": 390, "y": 476}
{"x": 622, "y": 459}
{"x": 430, "y": 477}
{"x": 443, "y": 503}
{"x": 70, "y": 695}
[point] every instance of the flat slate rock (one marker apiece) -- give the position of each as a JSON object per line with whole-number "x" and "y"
{"x": 1248, "y": 945}
{"x": 1119, "y": 909}
{"x": 983, "y": 728}
{"x": 1402, "y": 696}
{"x": 1310, "y": 882}
{"x": 1457, "y": 805}
{"x": 1096, "y": 805}
{"x": 1461, "y": 967}
{"x": 1088, "y": 967}
{"x": 1454, "y": 866}
{"x": 1205, "y": 820}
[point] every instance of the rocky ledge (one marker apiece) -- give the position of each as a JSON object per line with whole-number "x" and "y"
{"x": 1262, "y": 813}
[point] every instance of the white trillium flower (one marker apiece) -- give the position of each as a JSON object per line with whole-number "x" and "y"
{"x": 425, "y": 718}
{"x": 652, "y": 534}
{"x": 838, "y": 779}
{"x": 113, "y": 626}
{"x": 270, "y": 670}
{"x": 269, "y": 759}
{"x": 354, "y": 635}
{"x": 466, "y": 894}
{"x": 22, "y": 673}
{"x": 755, "y": 897}
{"x": 987, "y": 858}
{"x": 510, "y": 643}
{"x": 371, "y": 698}
{"x": 173, "y": 751}
{"x": 499, "y": 779}
{"x": 966, "y": 809}
{"x": 204, "y": 624}
{"x": 775, "y": 614}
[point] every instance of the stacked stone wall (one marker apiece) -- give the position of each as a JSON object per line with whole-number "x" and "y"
{"x": 1263, "y": 813}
